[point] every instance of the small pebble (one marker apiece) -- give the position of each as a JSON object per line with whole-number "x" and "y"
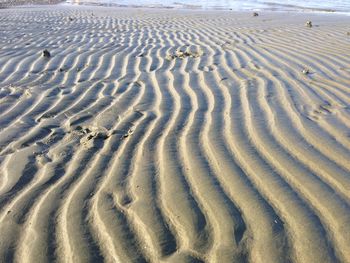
{"x": 255, "y": 14}
{"x": 306, "y": 71}
{"x": 308, "y": 24}
{"x": 46, "y": 54}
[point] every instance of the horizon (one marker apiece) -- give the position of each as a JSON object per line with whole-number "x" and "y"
{"x": 238, "y": 5}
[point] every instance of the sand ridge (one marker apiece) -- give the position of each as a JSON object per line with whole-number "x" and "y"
{"x": 173, "y": 136}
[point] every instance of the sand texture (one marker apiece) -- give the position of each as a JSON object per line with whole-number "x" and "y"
{"x": 10, "y": 3}
{"x": 173, "y": 136}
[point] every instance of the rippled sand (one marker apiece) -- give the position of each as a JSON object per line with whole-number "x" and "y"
{"x": 9, "y": 3}
{"x": 173, "y": 136}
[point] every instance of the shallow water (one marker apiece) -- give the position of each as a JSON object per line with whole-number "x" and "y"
{"x": 285, "y": 5}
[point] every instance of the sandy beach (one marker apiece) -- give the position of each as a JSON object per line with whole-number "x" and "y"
{"x": 155, "y": 135}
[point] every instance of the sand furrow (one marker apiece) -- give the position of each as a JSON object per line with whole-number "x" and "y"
{"x": 292, "y": 171}
{"x": 157, "y": 135}
{"x": 290, "y": 140}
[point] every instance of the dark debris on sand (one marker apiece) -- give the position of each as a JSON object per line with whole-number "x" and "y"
{"x": 46, "y": 54}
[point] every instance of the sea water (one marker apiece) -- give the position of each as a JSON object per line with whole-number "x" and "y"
{"x": 281, "y": 5}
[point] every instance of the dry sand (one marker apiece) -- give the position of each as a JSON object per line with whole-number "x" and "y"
{"x": 173, "y": 136}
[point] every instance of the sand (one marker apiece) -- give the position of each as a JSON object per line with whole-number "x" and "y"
{"x": 11, "y": 3}
{"x": 158, "y": 135}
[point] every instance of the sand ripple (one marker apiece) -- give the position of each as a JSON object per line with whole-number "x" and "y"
{"x": 153, "y": 136}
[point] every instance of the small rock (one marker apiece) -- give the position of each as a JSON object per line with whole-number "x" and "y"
{"x": 255, "y": 14}
{"x": 308, "y": 24}
{"x": 306, "y": 71}
{"x": 46, "y": 54}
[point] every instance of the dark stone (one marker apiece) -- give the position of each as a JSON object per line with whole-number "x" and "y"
{"x": 46, "y": 54}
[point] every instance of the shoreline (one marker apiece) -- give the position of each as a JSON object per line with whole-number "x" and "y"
{"x": 62, "y": 3}
{"x": 297, "y": 9}
{"x": 179, "y": 6}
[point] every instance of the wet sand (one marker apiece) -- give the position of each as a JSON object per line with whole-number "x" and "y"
{"x": 155, "y": 135}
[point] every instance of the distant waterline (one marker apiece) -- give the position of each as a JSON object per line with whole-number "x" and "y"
{"x": 280, "y": 5}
